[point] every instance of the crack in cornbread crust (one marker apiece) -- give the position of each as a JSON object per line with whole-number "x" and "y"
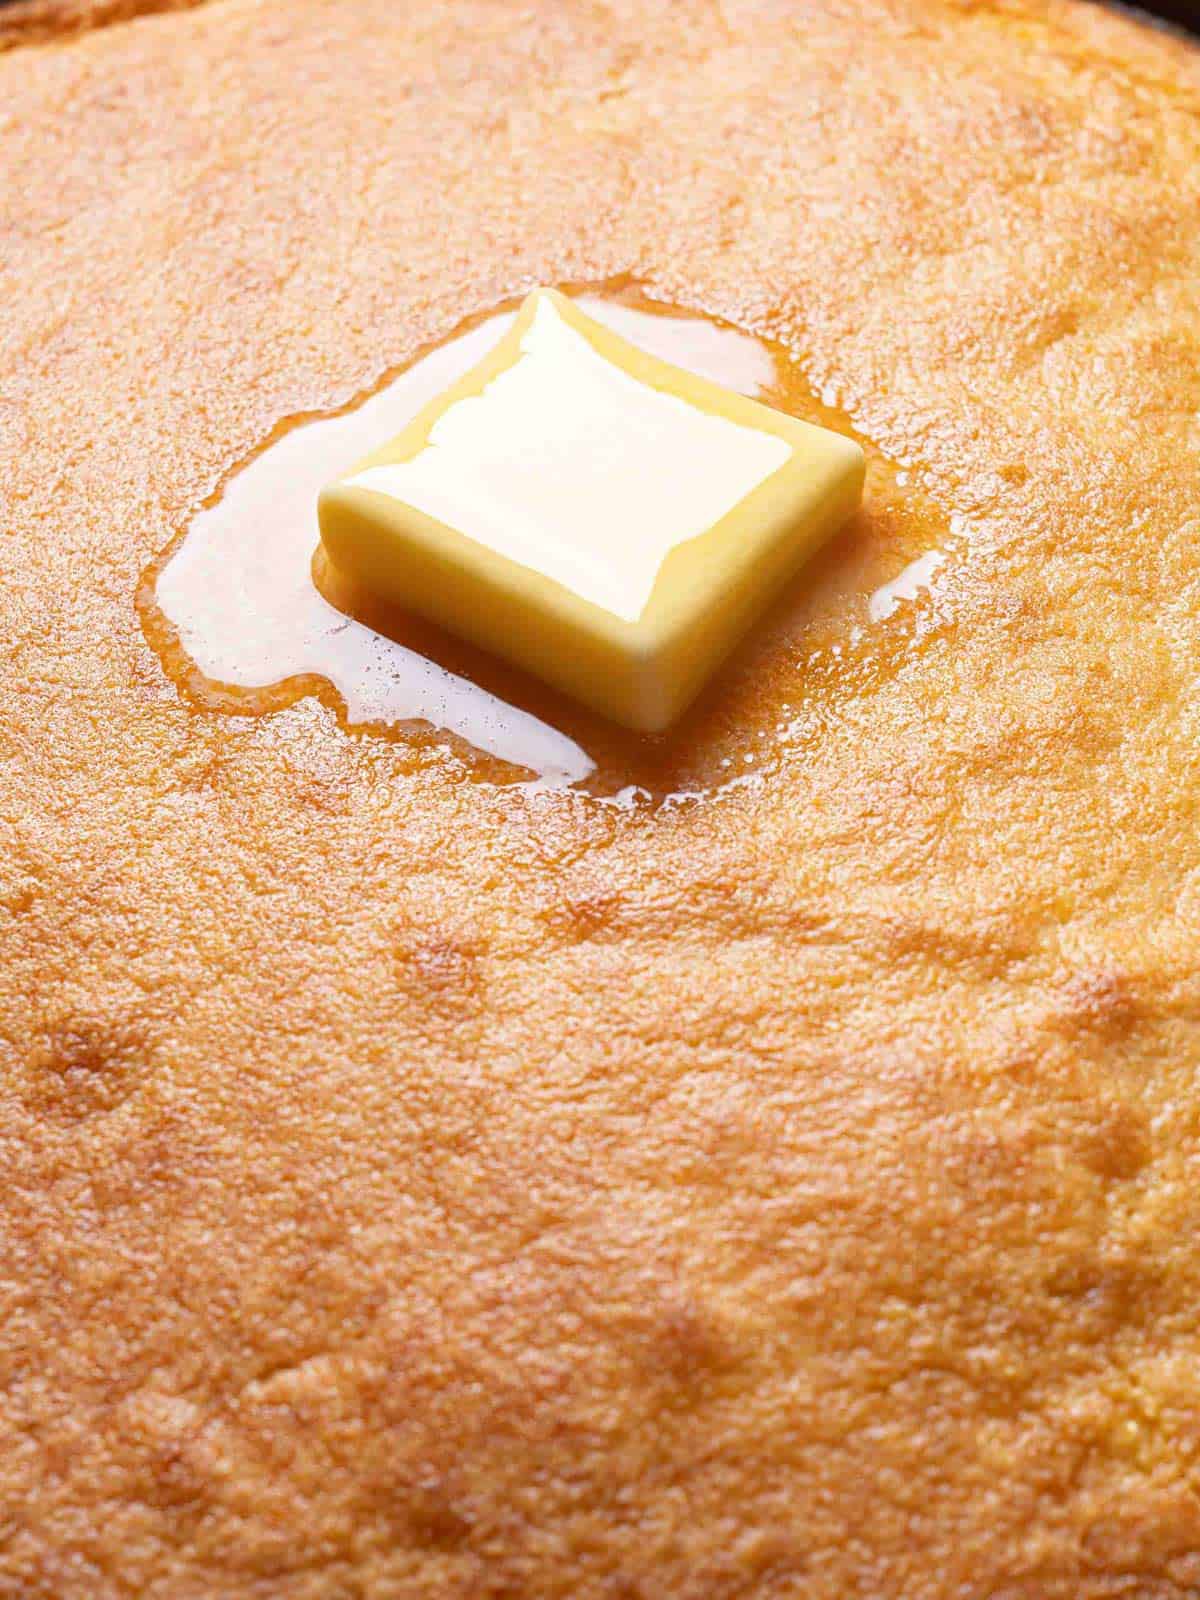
{"x": 413, "y": 1189}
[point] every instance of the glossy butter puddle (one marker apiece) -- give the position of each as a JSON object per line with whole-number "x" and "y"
{"x": 247, "y": 619}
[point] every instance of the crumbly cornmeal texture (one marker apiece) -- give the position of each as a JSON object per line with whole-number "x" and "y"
{"x": 411, "y": 1187}
{"x": 608, "y": 521}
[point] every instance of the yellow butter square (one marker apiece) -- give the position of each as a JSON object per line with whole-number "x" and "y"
{"x": 601, "y": 518}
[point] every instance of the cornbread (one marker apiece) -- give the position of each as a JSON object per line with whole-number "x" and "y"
{"x": 414, "y": 1185}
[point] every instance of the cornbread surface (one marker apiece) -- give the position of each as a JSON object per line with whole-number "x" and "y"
{"x": 415, "y": 1187}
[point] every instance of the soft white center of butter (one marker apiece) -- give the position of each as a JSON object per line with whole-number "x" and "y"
{"x": 566, "y": 464}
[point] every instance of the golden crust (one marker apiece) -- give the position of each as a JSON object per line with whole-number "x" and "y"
{"x": 415, "y": 1188}
{"x": 26, "y": 22}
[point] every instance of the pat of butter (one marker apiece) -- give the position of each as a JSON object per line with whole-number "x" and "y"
{"x": 603, "y": 519}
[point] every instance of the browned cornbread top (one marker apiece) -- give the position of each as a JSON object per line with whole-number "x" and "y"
{"x": 412, "y": 1188}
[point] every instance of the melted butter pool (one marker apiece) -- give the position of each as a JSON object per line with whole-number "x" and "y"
{"x": 245, "y": 619}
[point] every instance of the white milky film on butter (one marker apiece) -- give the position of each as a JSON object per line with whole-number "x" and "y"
{"x": 568, "y": 465}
